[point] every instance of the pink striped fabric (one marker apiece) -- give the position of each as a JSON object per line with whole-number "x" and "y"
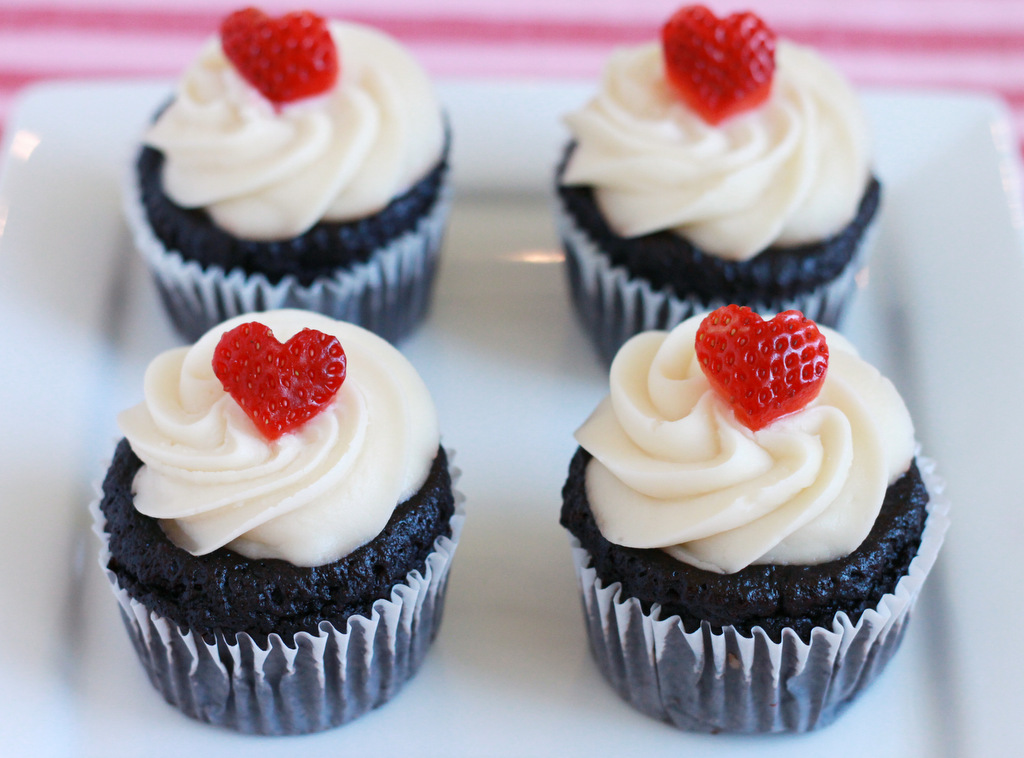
{"x": 958, "y": 44}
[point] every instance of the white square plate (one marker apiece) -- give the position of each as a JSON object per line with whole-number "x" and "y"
{"x": 513, "y": 376}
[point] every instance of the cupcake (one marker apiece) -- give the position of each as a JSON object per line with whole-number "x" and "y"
{"x": 300, "y": 163}
{"x": 278, "y": 523}
{"x": 717, "y": 166}
{"x": 751, "y": 523}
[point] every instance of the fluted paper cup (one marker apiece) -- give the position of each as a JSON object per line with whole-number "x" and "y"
{"x": 389, "y": 294}
{"x": 724, "y": 681}
{"x": 306, "y": 683}
{"x": 613, "y": 306}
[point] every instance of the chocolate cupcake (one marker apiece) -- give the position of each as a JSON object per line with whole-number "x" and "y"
{"x": 280, "y": 552}
{"x": 325, "y": 188}
{"x": 717, "y": 166}
{"x": 750, "y": 533}
{"x": 260, "y": 597}
{"x": 770, "y": 597}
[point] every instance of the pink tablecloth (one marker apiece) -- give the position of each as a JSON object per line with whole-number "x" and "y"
{"x": 961, "y": 44}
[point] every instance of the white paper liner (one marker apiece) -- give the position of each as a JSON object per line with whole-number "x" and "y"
{"x": 389, "y": 294}
{"x": 318, "y": 682}
{"x": 726, "y": 682}
{"x": 614, "y": 306}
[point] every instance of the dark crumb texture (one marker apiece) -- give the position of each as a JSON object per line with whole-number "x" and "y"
{"x": 773, "y": 597}
{"x": 319, "y": 252}
{"x": 226, "y": 591}
{"x": 666, "y": 260}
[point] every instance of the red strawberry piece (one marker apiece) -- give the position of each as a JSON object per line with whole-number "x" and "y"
{"x": 765, "y": 369}
{"x": 280, "y": 387}
{"x": 719, "y": 67}
{"x": 286, "y": 58}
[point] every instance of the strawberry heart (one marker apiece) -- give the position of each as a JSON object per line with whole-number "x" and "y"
{"x": 719, "y": 67}
{"x": 280, "y": 387}
{"x": 764, "y": 369}
{"x": 286, "y": 58}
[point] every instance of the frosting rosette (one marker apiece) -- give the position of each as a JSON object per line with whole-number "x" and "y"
{"x": 674, "y": 469}
{"x": 267, "y": 172}
{"x": 789, "y": 172}
{"x": 310, "y": 496}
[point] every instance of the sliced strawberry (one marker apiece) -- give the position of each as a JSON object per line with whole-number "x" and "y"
{"x": 280, "y": 387}
{"x": 765, "y": 369}
{"x": 719, "y": 67}
{"x": 286, "y": 58}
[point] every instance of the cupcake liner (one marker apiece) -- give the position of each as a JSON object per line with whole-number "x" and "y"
{"x": 389, "y": 294}
{"x": 307, "y": 684}
{"x": 613, "y": 306}
{"x": 723, "y": 681}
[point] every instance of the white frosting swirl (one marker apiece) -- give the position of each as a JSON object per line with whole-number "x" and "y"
{"x": 271, "y": 173}
{"x": 790, "y": 171}
{"x": 309, "y": 497}
{"x": 674, "y": 469}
